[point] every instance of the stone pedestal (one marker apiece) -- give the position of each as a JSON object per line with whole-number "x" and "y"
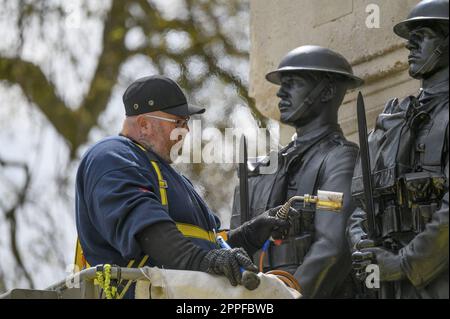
{"x": 346, "y": 26}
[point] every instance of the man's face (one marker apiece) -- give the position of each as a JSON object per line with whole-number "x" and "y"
{"x": 422, "y": 42}
{"x": 161, "y": 134}
{"x": 294, "y": 89}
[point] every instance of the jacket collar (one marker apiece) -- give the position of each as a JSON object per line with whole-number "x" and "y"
{"x": 304, "y": 142}
{"x": 426, "y": 95}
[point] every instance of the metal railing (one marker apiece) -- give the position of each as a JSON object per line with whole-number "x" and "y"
{"x": 79, "y": 285}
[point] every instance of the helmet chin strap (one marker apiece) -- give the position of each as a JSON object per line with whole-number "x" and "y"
{"x": 309, "y": 100}
{"x": 433, "y": 59}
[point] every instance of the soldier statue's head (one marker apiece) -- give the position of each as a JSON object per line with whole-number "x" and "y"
{"x": 313, "y": 82}
{"x": 426, "y": 30}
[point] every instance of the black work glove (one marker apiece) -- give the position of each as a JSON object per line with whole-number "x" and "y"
{"x": 227, "y": 262}
{"x": 268, "y": 225}
{"x": 252, "y": 235}
{"x": 389, "y": 263}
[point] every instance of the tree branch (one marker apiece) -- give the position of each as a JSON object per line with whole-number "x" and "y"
{"x": 114, "y": 53}
{"x": 40, "y": 91}
{"x": 74, "y": 126}
{"x": 11, "y": 213}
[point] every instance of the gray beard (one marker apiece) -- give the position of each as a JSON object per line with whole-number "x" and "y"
{"x": 151, "y": 147}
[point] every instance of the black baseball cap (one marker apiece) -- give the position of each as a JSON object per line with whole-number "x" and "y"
{"x": 157, "y": 93}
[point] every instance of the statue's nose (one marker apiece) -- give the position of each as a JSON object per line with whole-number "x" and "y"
{"x": 281, "y": 93}
{"x": 411, "y": 45}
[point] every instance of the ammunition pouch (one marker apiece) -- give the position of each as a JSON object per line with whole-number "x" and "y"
{"x": 397, "y": 222}
{"x": 421, "y": 188}
{"x": 418, "y": 196}
{"x": 406, "y": 206}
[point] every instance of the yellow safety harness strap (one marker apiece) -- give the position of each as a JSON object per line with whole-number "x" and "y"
{"x": 162, "y": 184}
{"x": 193, "y": 231}
{"x": 129, "y": 282}
{"x": 80, "y": 261}
{"x": 187, "y": 230}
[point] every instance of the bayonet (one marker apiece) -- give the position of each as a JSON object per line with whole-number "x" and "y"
{"x": 365, "y": 166}
{"x": 243, "y": 180}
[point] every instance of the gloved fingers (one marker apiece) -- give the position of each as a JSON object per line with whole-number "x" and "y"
{"x": 279, "y": 223}
{"x": 359, "y": 256}
{"x": 280, "y": 232}
{"x": 245, "y": 262}
{"x": 236, "y": 270}
{"x": 293, "y": 213}
{"x": 280, "y": 228}
{"x": 240, "y": 259}
{"x": 376, "y": 251}
{"x": 364, "y": 243}
{"x": 230, "y": 269}
{"x": 273, "y": 211}
{"x": 360, "y": 275}
{"x": 241, "y": 253}
{"x": 361, "y": 265}
{"x": 228, "y": 272}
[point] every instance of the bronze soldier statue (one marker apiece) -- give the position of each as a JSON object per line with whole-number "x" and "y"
{"x": 409, "y": 171}
{"x": 313, "y": 82}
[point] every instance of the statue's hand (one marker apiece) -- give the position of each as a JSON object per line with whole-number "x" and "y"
{"x": 388, "y": 262}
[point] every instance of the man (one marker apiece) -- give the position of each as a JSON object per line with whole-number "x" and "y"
{"x": 134, "y": 209}
{"x": 409, "y": 162}
{"x": 313, "y": 83}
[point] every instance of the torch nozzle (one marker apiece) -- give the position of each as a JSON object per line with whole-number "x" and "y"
{"x": 331, "y": 201}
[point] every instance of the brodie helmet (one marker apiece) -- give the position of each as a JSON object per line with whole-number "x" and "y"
{"x": 315, "y": 58}
{"x": 425, "y": 11}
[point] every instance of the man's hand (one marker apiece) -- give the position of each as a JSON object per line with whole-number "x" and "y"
{"x": 267, "y": 225}
{"x": 281, "y": 230}
{"x": 365, "y": 253}
{"x": 227, "y": 262}
{"x": 253, "y": 234}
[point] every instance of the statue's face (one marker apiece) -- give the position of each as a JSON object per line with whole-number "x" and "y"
{"x": 421, "y": 43}
{"x": 294, "y": 89}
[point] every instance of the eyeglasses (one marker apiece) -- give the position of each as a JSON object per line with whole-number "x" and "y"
{"x": 179, "y": 123}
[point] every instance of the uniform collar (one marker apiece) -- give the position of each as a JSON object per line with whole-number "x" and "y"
{"x": 426, "y": 95}
{"x": 304, "y": 142}
{"x": 317, "y": 134}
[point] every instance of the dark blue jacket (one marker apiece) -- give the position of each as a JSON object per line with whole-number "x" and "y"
{"x": 118, "y": 195}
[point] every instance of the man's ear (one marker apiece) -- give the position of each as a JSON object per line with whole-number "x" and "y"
{"x": 141, "y": 122}
{"x": 328, "y": 93}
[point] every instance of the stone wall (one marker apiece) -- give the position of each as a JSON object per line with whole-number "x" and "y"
{"x": 376, "y": 54}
